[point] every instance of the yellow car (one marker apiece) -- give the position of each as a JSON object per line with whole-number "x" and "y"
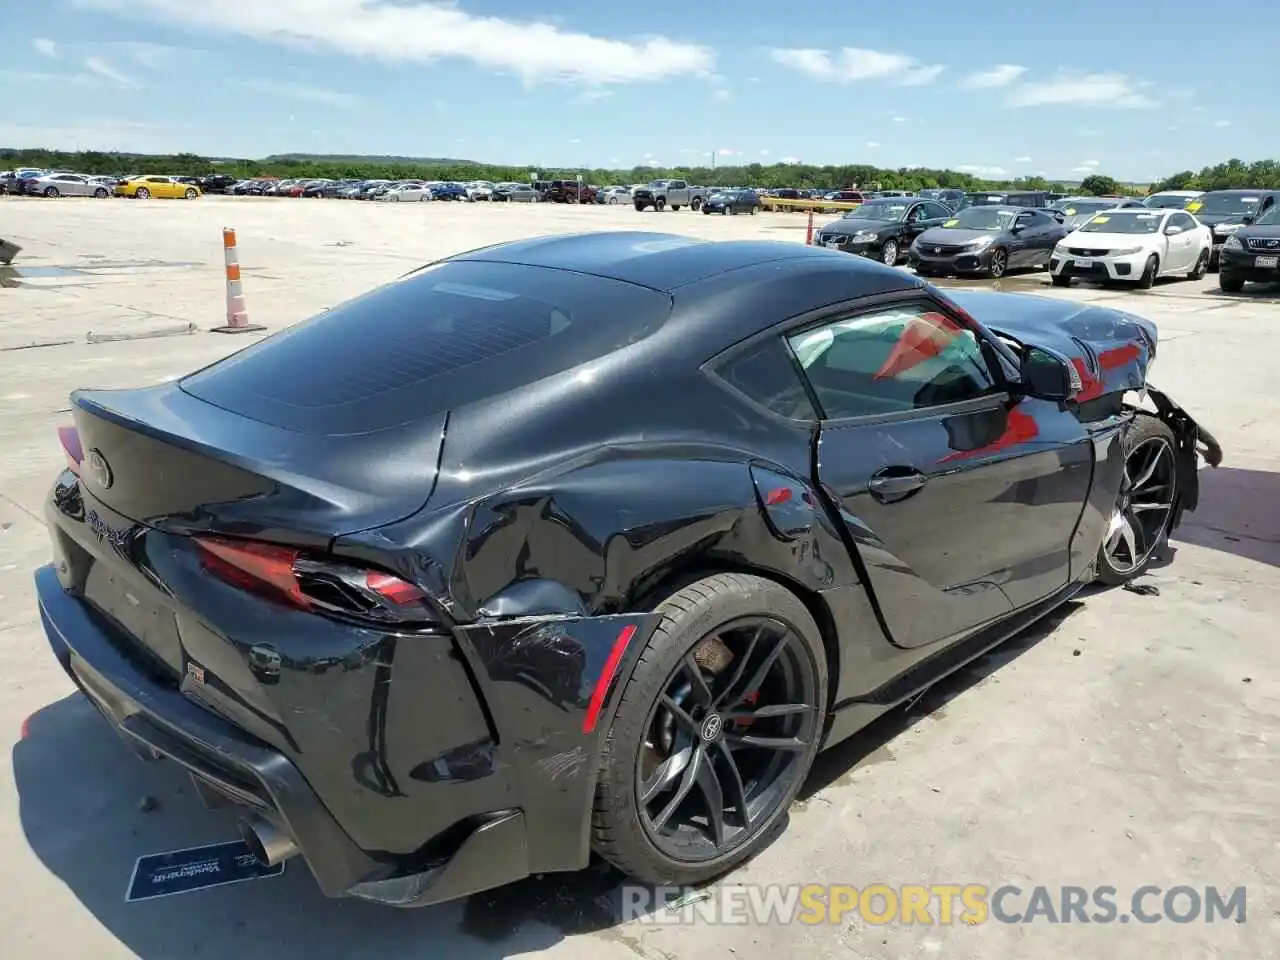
{"x": 165, "y": 188}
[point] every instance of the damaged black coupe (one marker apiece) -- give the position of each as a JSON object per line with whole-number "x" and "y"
{"x": 589, "y": 543}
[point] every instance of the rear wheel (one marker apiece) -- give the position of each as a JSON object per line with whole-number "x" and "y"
{"x": 100, "y": 192}
{"x": 696, "y": 205}
{"x": 1145, "y": 504}
{"x": 51, "y": 192}
{"x": 639, "y": 207}
{"x": 1201, "y": 267}
{"x": 191, "y": 194}
{"x": 143, "y": 193}
{"x": 714, "y": 732}
{"x": 659, "y": 205}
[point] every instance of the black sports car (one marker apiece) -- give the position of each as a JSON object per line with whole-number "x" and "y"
{"x": 883, "y": 229}
{"x": 732, "y": 202}
{"x": 988, "y": 240}
{"x": 588, "y": 542}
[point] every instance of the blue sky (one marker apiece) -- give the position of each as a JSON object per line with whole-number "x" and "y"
{"x": 1132, "y": 89}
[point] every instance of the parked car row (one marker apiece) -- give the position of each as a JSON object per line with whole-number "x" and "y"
{"x": 1120, "y": 240}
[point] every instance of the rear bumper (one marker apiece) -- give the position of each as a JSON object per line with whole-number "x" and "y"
{"x": 523, "y": 808}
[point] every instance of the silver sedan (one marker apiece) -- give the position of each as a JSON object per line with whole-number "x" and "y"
{"x": 68, "y": 185}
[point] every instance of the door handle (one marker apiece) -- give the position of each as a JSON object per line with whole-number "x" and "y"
{"x": 891, "y": 487}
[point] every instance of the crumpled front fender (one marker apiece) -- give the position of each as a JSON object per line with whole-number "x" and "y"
{"x": 1193, "y": 441}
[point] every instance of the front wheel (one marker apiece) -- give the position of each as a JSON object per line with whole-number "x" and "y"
{"x": 191, "y": 194}
{"x": 1230, "y": 282}
{"x": 696, "y": 205}
{"x": 143, "y": 193}
{"x": 639, "y": 208}
{"x": 659, "y": 205}
{"x": 999, "y": 263}
{"x": 889, "y": 253}
{"x": 1145, "y": 504}
{"x": 100, "y": 193}
{"x": 1061, "y": 280}
{"x": 1149, "y": 271}
{"x": 1201, "y": 267}
{"x": 714, "y": 732}
{"x": 51, "y": 192}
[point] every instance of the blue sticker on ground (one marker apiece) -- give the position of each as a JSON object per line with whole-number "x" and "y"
{"x": 184, "y": 871}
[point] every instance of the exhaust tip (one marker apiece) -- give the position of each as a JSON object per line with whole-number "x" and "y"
{"x": 266, "y": 841}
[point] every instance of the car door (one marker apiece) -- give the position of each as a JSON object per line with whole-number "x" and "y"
{"x": 960, "y": 496}
{"x": 1182, "y": 243}
{"x": 1040, "y": 234}
{"x": 920, "y": 218}
{"x": 70, "y": 185}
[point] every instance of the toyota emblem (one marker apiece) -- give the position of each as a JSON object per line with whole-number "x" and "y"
{"x": 712, "y": 726}
{"x": 100, "y": 469}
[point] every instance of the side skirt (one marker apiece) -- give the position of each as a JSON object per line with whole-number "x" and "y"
{"x": 850, "y": 716}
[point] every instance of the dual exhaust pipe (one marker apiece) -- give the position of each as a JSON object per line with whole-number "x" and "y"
{"x": 266, "y": 841}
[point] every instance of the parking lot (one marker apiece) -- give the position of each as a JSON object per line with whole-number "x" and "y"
{"x": 1128, "y": 742}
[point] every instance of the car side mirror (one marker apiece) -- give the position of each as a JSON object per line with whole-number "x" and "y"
{"x": 1246, "y": 220}
{"x": 1048, "y": 375}
{"x": 1172, "y": 230}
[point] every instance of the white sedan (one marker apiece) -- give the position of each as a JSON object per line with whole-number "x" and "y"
{"x": 1135, "y": 245}
{"x": 413, "y": 192}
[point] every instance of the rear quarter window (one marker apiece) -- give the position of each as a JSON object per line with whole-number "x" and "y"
{"x": 442, "y": 337}
{"x": 765, "y": 373}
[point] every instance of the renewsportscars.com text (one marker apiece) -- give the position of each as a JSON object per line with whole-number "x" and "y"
{"x": 934, "y": 904}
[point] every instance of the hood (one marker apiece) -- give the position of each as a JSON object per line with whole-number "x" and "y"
{"x": 1111, "y": 350}
{"x": 851, "y": 225}
{"x": 955, "y": 235}
{"x": 1269, "y": 231}
{"x": 1106, "y": 241}
{"x": 1211, "y": 219}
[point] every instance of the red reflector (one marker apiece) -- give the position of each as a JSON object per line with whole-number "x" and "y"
{"x": 393, "y": 589}
{"x": 606, "y": 678}
{"x": 70, "y": 439}
{"x": 778, "y": 496}
{"x": 253, "y": 566}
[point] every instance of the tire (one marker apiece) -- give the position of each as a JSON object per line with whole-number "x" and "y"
{"x": 732, "y": 606}
{"x": 191, "y": 194}
{"x": 696, "y": 205}
{"x": 1123, "y": 558}
{"x": 1060, "y": 280}
{"x": 659, "y": 205}
{"x": 1149, "y": 271}
{"x": 889, "y": 253}
{"x": 639, "y": 208}
{"x": 1230, "y": 282}
{"x": 728, "y": 211}
{"x": 143, "y": 193}
{"x": 1201, "y": 267}
{"x": 100, "y": 193}
{"x": 51, "y": 192}
{"x": 999, "y": 263}
{"x": 1215, "y": 261}
{"x": 675, "y": 208}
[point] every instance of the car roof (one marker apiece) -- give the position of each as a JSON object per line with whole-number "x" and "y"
{"x": 666, "y": 262}
{"x": 1259, "y": 192}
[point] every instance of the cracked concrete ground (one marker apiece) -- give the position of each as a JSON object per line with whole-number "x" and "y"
{"x": 1131, "y": 740}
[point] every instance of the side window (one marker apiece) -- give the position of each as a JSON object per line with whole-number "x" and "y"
{"x": 1025, "y": 220}
{"x": 938, "y": 211}
{"x": 892, "y": 361}
{"x": 1183, "y": 221}
{"x": 766, "y": 374}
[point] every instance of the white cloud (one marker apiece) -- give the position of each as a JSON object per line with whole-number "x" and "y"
{"x": 1022, "y": 160}
{"x": 152, "y": 56}
{"x": 36, "y": 76}
{"x": 899, "y": 119}
{"x": 45, "y": 46}
{"x": 1089, "y": 164}
{"x": 721, "y": 94}
{"x": 1083, "y": 89}
{"x": 788, "y": 159}
{"x": 980, "y": 171}
{"x": 576, "y": 140}
{"x": 764, "y": 153}
{"x": 104, "y": 68}
{"x": 726, "y": 152}
{"x": 421, "y": 32}
{"x": 296, "y": 91}
{"x": 593, "y": 96}
{"x": 753, "y": 79}
{"x": 872, "y": 144}
{"x": 999, "y": 76}
{"x": 854, "y": 64}
{"x": 1223, "y": 123}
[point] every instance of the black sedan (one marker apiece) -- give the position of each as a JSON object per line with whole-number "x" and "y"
{"x": 732, "y": 202}
{"x": 1252, "y": 253}
{"x": 883, "y": 229}
{"x": 987, "y": 240}
{"x": 529, "y": 554}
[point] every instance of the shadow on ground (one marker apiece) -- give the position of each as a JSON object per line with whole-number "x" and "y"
{"x": 89, "y": 809}
{"x": 1236, "y": 514}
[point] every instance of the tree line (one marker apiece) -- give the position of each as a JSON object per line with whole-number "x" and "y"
{"x": 1233, "y": 173}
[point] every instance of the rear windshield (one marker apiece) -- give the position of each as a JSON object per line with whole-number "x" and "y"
{"x": 445, "y": 336}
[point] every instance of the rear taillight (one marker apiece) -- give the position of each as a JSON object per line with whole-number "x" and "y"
{"x": 292, "y": 576}
{"x": 70, "y": 439}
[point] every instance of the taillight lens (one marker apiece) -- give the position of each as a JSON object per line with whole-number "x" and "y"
{"x": 290, "y": 575}
{"x": 70, "y": 439}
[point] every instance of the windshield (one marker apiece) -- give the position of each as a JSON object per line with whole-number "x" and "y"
{"x": 1226, "y": 204}
{"x": 1168, "y": 203}
{"x": 1073, "y": 208}
{"x": 1124, "y": 221}
{"x": 879, "y": 210}
{"x": 1271, "y": 218}
{"x": 982, "y": 218}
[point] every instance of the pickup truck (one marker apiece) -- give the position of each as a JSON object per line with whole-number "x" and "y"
{"x": 675, "y": 194}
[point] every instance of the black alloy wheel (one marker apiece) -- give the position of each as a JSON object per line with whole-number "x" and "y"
{"x": 714, "y": 733}
{"x": 1201, "y": 267}
{"x": 1145, "y": 504}
{"x": 1149, "y": 270}
{"x": 999, "y": 263}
